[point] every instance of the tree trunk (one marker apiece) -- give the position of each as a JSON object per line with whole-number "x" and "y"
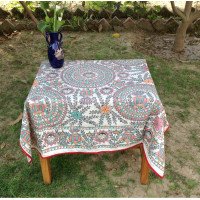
{"x": 29, "y": 12}
{"x": 180, "y": 36}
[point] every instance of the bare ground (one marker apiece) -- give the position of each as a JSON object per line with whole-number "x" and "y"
{"x": 161, "y": 45}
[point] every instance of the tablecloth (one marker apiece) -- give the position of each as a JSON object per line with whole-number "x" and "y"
{"x": 94, "y": 106}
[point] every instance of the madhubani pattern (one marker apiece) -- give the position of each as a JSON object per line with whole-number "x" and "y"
{"x": 87, "y": 75}
{"x": 105, "y": 112}
{"x": 43, "y": 111}
{"x": 78, "y": 113}
{"x": 94, "y": 106}
{"x": 135, "y": 102}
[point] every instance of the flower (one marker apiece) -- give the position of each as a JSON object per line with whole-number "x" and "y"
{"x": 105, "y": 109}
{"x": 105, "y": 112}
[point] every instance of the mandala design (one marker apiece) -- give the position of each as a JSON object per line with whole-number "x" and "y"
{"x": 47, "y": 107}
{"x": 134, "y": 102}
{"x": 129, "y": 63}
{"x": 94, "y": 106}
{"x": 87, "y": 75}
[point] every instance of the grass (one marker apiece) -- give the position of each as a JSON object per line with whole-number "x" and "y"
{"x": 194, "y": 137}
{"x": 122, "y": 169}
{"x": 86, "y": 175}
{"x": 180, "y": 182}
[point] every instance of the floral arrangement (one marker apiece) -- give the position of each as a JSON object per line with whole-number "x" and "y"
{"x": 54, "y": 23}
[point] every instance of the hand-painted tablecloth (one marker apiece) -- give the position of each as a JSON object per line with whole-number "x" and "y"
{"x": 94, "y": 106}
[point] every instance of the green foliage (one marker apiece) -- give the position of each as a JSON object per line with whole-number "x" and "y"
{"x": 137, "y": 10}
{"x": 140, "y": 9}
{"x": 157, "y": 8}
{"x": 44, "y": 5}
{"x": 153, "y": 16}
{"x": 154, "y": 13}
{"x": 15, "y": 4}
{"x": 55, "y": 23}
{"x": 77, "y": 23}
{"x": 99, "y": 5}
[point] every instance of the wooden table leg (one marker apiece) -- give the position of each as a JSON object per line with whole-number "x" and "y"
{"x": 144, "y": 176}
{"x": 46, "y": 169}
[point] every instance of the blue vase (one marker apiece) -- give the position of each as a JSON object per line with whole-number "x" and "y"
{"x": 55, "y": 52}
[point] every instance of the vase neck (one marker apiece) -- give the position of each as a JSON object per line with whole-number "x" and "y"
{"x": 53, "y": 36}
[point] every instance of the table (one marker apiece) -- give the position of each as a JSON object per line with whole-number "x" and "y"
{"x": 94, "y": 106}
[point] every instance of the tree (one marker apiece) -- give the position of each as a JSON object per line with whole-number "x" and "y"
{"x": 188, "y": 16}
{"x": 29, "y": 12}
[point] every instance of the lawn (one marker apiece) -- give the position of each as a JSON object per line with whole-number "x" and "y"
{"x": 106, "y": 175}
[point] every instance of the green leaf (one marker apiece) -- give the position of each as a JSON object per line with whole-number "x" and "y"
{"x": 47, "y": 19}
{"x": 43, "y": 26}
{"x": 44, "y": 5}
{"x": 59, "y": 24}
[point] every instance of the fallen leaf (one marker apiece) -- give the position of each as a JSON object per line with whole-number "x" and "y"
{"x": 19, "y": 118}
{"x": 72, "y": 36}
{"x": 74, "y": 40}
{"x": 116, "y": 35}
{"x": 2, "y": 145}
{"x": 85, "y": 28}
{"x": 23, "y": 81}
{"x": 9, "y": 157}
{"x": 100, "y": 28}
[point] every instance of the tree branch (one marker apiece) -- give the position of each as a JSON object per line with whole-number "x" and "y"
{"x": 195, "y": 15}
{"x": 177, "y": 11}
{"x": 188, "y": 7}
{"x": 29, "y": 12}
